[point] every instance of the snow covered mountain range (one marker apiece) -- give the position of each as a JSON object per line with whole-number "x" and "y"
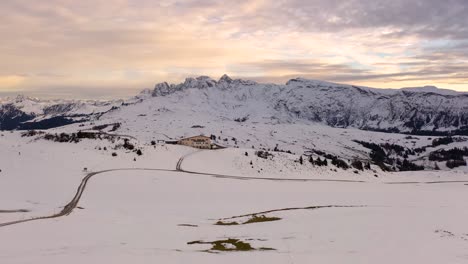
{"x": 424, "y": 110}
{"x": 411, "y": 110}
{"x": 31, "y": 113}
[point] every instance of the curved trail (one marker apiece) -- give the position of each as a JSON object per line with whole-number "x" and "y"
{"x": 69, "y": 207}
{"x": 181, "y": 160}
{"x": 216, "y": 175}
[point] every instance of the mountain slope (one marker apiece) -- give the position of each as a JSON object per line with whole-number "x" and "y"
{"x": 31, "y": 113}
{"x": 423, "y": 110}
{"x": 411, "y": 110}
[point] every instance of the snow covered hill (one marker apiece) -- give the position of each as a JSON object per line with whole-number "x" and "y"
{"x": 219, "y": 208}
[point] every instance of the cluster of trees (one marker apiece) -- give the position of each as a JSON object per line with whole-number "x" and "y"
{"x": 397, "y": 149}
{"x": 128, "y": 145}
{"x": 318, "y": 161}
{"x": 31, "y": 133}
{"x": 62, "y": 137}
{"x": 436, "y": 142}
{"x": 340, "y": 163}
{"x": 277, "y": 149}
{"x": 455, "y": 163}
{"x": 115, "y": 126}
{"x": 450, "y": 154}
{"x": 357, "y": 164}
{"x": 377, "y": 155}
{"x": 408, "y": 166}
{"x": 242, "y": 119}
{"x": 263, "y": 154}
{"x": 380, "y": 155}
{"x": 442, "y": 141}
{"x": 73, "y": 137}
{"x": 453, "y": 157}
{"x": 420, "y": 150}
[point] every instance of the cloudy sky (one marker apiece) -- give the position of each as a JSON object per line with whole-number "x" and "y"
{"x": 114, "y": 48}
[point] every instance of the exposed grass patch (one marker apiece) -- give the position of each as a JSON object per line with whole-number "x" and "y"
{"x": 230, "y": 244}
{"x": 221, "y": 223}
{"x": 261, "y": 219}
{"x": 187, "y": 225}
{"x": 266, "y": 249}
{"x": 14, "y": 211}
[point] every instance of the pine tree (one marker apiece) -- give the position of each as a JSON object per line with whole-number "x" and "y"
{"x": 318, "y": 162}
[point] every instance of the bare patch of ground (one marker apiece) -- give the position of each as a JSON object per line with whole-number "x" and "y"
{"x": 230, "y": 244}
{"x": 14, "y": 211}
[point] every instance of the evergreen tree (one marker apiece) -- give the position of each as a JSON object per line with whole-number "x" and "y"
{"x": 318, "y": 162}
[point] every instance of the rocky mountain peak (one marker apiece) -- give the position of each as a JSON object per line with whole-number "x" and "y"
{"x": 225, "y": 79}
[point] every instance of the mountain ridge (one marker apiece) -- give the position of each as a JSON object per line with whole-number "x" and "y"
{"x": 420, "y": 110}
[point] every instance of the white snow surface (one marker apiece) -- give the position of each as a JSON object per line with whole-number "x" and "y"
{"x": 143, "y": 216}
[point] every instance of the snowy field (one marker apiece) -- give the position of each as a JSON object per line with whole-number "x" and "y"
{"x": 151, "y": 216}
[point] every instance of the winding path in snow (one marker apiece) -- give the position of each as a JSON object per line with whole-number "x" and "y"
{"x": 69, "y": 207}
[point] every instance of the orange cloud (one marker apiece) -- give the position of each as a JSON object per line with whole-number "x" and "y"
{"x": 134, "y": 44}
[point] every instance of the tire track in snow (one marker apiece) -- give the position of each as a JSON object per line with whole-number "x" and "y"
{"x": 294, "y": 208}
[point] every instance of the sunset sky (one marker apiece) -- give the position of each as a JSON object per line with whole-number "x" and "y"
{"x": 115, "y": 48}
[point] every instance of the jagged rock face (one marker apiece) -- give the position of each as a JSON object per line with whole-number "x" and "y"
{"x": 401, "y": 111}
{"x": 202, "y": 82}
{"x": 408, "y": 110}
